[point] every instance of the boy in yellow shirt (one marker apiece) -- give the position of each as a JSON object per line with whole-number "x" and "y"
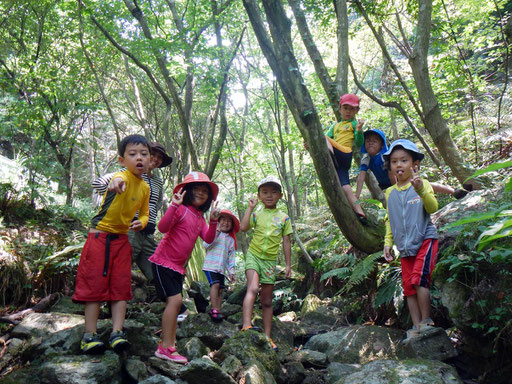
{"x": 340, "y": 138}
{"x": 104, "y": 271}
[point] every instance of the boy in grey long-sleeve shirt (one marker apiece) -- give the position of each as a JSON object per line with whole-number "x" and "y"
{"x": 409, "y": 204}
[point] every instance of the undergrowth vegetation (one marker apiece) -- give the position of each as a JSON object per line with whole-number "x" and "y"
{"x": 39, "y": 248}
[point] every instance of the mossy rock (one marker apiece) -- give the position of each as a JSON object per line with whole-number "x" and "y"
{"x": 250, "y": 347}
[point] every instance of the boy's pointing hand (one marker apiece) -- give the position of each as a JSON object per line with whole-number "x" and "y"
{"x": 117, "y": 185}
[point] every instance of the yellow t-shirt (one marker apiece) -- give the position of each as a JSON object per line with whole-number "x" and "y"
{"x": 118, "y": 210}
{"x": 270, "y": 226}
{"x": 343, "y": 134}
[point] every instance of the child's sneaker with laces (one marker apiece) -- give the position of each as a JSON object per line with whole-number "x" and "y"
{"x": 170, "y": 354}
{"x": 118, "y": 341}
{"x": 413, "y": 332}
{"x": 426, "y": 324}
{"x": 91, "y": 344}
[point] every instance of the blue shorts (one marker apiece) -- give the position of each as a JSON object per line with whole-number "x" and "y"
{"x": 342, "y": 163}
{"x": 215, "y": 278}
{"x": 167, "y": 282}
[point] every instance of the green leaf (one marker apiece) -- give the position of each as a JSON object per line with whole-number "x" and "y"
{"x": 491, "y": 168}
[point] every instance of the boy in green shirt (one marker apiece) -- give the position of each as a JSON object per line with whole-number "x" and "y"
{"x": 270, "y": 226}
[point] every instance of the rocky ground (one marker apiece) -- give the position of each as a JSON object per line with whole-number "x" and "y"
{"x": 312, "y": 349}
{"x": 316, "y": 344}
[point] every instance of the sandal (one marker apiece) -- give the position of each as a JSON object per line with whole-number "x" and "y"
{"x": 216, "y": 315}
{"x": 257, "y": 329}
{"x": 273, "y": 346}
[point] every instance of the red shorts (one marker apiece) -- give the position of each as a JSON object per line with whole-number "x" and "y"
{"x": 104, "y": 272}
{"x": 418, "y": 269}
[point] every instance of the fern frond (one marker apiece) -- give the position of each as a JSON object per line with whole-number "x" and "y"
{"x": 362, "y": 270}
{"x": 389, "y": 285}
{"x": 340, "y": 273}
{"x": 343, "y": 260}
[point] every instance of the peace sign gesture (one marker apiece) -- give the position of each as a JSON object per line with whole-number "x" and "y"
{"x": 416, "y": 181}
{"x": 177, "y": 198}
{"x": 215, "y": 211}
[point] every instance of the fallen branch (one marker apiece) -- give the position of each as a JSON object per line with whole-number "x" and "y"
{"x": 42, "y": 305}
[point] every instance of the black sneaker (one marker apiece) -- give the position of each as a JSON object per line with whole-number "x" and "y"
{"x": 91, "y": 344}
{"x": 118, "y": 341}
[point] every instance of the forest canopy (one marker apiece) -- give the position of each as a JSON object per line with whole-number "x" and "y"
{"x": 234, "y": 89}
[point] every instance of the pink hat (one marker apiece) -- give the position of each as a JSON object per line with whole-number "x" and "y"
{"x": 198, "y": 177}
{"x": 236, "y": 223}
{"x": 350, "y": 99}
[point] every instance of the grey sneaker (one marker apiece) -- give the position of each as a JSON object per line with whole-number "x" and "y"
{"x": 413, "y": 332}
{"x": 426, "y": 324}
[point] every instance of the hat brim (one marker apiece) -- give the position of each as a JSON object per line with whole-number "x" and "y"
{"x": 420, "y": 156}
{"x": 166, "y": 160}
{"x": 213, "y": 187}
{"x": 352, "y": 104}
{"x": 273, "y": 183}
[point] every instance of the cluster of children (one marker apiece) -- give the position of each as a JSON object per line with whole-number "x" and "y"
{"x": 104, "y": 272}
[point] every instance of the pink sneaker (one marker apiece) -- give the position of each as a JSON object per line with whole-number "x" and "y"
{"x": 167, "y": 354}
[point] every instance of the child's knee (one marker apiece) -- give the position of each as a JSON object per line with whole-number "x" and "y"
{"x": 266, "y": 302}
{"x": 252, "y": 290}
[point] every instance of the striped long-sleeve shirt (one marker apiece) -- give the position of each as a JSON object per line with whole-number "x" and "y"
{"x": 156, "y": 194}
{"x": 220, "y": 255}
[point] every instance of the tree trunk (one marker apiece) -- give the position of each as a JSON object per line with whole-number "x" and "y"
{"x": 434, "y": 121}
{"x": 293, "y": 178}
{"x": 286, "y": 69}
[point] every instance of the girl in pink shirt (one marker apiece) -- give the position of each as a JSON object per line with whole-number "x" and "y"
{"x": 182, "y": 224}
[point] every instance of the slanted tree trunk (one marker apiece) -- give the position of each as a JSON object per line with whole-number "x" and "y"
{"x": 279, "y": 54}
{"x": 434, "y": 121}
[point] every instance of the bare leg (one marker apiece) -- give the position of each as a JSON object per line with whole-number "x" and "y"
{"x": 352, "y": 199}
{"x": 414, "y": 310}
{"x": 266, "y": 306}
{"x": 329, "y": 145}
{"x": 118, "y": 314}
{"x": 253, "y": 284}
{"x": 219, "y": 303}
{"x": 214, "y": 296}
{"x": 91, "y": 313}
{"x": 423, "y": 295}
{"x": 169, "y": 321}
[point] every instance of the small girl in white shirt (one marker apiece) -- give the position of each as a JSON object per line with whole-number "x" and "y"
{"x": 220, "y": 260}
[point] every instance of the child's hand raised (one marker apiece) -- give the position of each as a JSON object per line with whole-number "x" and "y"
{"x": 215, "y": 211}
{"x": 416, "y": 181}
{"x": 252, "y": 202}
{"x": 177, "y": 198}
{"x": 360, "y": 124}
